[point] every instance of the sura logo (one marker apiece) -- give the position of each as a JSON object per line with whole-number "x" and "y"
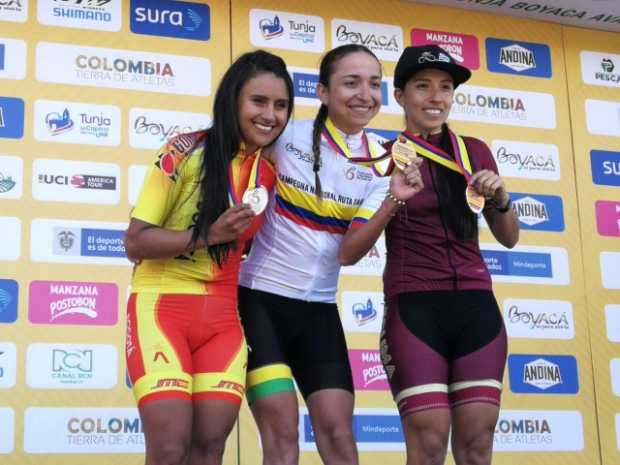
{"x": 542, "y": 320}
{"x": 364, "y": 313}
{"x": 531, "y": 162}
{"x": 542, "y": 374}
{"x": 6, "y": 183}
{"x": 190, "y": 22}
{"x": 517, "y": 58}
{"x": 57, "y": 123}
{"x": 121, "y": 65}
{"x": 372, "y": 41}
{"x": 524, "y": 426}
{"x": 270, "y": 29}
{"x": 5, "y": 301}
{"x": 608, "y": 67}
{"x": 531, "y": 211}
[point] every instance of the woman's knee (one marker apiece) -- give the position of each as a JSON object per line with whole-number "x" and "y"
{"x": 167, "y": 453}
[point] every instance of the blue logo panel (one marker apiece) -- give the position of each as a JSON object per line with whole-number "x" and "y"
{"x": 11, "y": 117}
{"x": 102, "y": 243}
{"x": 183, "y": 20}
{"x": 543, "y": 374}
{"x": 539, "y": 212}
{"x": 518, "y": 263}
{"x": 367, "y": 429}
{"x": 9, "y": 296}
{"x": 514, "y": 57}
{"x": 2, "y": 54}
{"x": 304, "y": 85}
{"x": 605, "y": 167}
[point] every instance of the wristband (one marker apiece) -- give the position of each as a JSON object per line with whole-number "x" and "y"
{"x": 505, "y": 208}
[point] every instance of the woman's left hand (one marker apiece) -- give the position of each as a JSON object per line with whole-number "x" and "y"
{"x": 490, "y": 185}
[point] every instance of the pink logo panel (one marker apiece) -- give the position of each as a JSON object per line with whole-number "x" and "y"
{"x": 608, "y": 218}
{"x": 462, "y": 47}
{"x": 368, "y": 372}
{"x": 73, "y": 303}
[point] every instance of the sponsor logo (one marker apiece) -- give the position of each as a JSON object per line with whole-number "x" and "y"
{"x": 150, "y": 129}
{"x": 612, "y": 319}
{"x": 539, "y": 319}
{"x": 373, "y": 430}
{"x": 77, "y": 123}
{"x": 280, "y": 29}
{"x": 8, "y": 365}
{"x": 7, "y": 415}
{"x": 609, "y": 270}
{"x": 368, "y": 372}
{"x": 11, "y": 177}
{"x": 14, "y": 10}
{"x": 230, "y": 386}
{"x": 386, "y": 41}
{"x": 11, "y": 118}
{"x": 166, "y": 383}
{"x": 372, "y": 264}
{"x": 9, "y": 299}
{"x": 12, "y": 59}
{"x": 71, "y": 366}
{"x": 527, "y": 264}
{"x": 527, "y": 160}
{"x": 603, "y": 117}
{"x": 462, "y": 47}
{"x": 184, "y": 20}
{"x": 102, "y": 15}
{"x": 523, "y": 58}
{"x": 538, "y": 430}
{"x": 10, "y": 245}
{"x": 73, "y": 303}
{"x": 93, "y": 430}
{"x": 607, "y": 218}
{"x": 362, "y": 311}
{"x": 122, "y": 69}
{"x": 539, "y": 212}
{"x": 605, "y": 167}
{"x": 543, "y": 374}
{"x": 504, "y": 106}
{"x": 600, "y": 69}
{"x": 614, "y": 371}
{"x": 57, "y": 180}
{"x": 71, "y": 241}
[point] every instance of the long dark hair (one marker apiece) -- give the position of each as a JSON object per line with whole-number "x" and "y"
{"x": 325, "y": 72}
{"x": 452, "y": 206}
{"x": 224, "y": 139}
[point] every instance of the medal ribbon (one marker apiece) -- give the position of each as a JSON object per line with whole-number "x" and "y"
{"x": 334, "y": 138}
{"x": 460, "y": 164}
{"x": 255, "y": 173}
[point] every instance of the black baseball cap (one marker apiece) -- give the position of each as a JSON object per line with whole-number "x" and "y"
{"x": 414, "y": 59}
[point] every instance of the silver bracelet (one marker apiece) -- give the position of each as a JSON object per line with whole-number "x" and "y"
{"x": 394, "y": 199}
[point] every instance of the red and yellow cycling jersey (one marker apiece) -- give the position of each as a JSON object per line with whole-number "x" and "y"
{"x": 169, "y": 199}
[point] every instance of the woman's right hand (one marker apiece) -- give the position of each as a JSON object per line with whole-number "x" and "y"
{"x": 230, "y": 224}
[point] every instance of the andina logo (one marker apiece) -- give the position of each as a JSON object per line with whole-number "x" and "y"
{"x": 270, "y": 29}
{"x": 57, "y": 124}
{"x": 542, "y": 374}
{"x": 542, "y": 320}
{"x": 486, "y": 101}
{"x": 608, "y": 67}
{"x": 531, "y": 211}
{"x": 364, "y": 312}
{"x": 6, "y": 183}
{"x": 372, "y": 41}
{"x": 517, "y": 57}
{"x": 121, "y": 65}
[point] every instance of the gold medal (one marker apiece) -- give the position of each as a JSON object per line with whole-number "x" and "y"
{"x": 475, "y": 201}
{"x": 256, "y": 198}
{"x": 402, "y": 153}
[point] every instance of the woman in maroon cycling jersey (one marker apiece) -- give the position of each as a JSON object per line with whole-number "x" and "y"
{"x": 443, "y": 343}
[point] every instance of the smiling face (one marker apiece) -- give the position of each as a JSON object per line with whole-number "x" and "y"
{"x": 353, "y": 96}
{"x": 426, "y": 99}
{"x": 262, "y": 110}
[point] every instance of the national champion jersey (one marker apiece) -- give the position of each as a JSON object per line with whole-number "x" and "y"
{"x": 295, "y": 253}
{"x": 169, "y": 199}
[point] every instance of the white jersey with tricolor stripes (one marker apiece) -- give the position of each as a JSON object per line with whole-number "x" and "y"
{"x": 295, "y": 253}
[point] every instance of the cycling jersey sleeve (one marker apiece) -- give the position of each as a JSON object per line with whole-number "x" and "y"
{"x": 377, "y": 190}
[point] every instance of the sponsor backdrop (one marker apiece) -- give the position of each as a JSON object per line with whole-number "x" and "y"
{"x": 89, "y": 90}
{"x": 593, "y": 63}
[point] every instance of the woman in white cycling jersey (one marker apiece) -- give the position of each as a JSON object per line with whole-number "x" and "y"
{"x": 329, "y": 207}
